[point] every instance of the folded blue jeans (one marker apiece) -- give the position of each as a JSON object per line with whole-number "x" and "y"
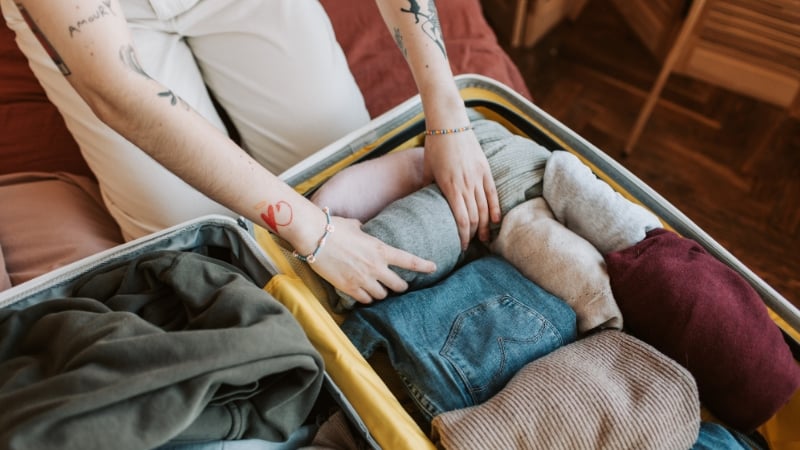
{"x": 457, "y": 343}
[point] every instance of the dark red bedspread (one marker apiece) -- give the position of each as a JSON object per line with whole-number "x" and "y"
{"x": 379, "y": 68}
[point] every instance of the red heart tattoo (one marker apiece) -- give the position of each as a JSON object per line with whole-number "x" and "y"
{"x": 270, "y": 216}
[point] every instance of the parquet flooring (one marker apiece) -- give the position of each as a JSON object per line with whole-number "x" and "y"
{"x": 729, "y": 162}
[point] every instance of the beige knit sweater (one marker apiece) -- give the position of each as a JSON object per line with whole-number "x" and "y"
{"x": 606, "y": 391}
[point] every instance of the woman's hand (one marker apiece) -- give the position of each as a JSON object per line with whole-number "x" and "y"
{"x": 459, "y": 166}
{"x": 358, "y": 264}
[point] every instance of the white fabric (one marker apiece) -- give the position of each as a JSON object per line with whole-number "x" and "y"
{"x": 167, "y": 9}
{"x": 275, "y": 67}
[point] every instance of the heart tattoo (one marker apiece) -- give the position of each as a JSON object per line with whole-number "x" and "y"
{"x": 277, "y": 215}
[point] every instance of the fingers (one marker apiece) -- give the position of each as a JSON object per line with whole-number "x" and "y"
{"x": 374, "y": 289}
{"x": 377, "y": 287}
{"x": 365, "y": 289}
{"x": 370, "y": 275}
{"x": 360, "y": 295}
{"x": 462, "y": 217}
{"x": 465, "y": 210}
{"x": 483, "y": 214}
{"x": 492, "y": 204}
{"x": 483, "y": 207}
{"x": 408, "y": 261}
{"x": 474, "y": 213}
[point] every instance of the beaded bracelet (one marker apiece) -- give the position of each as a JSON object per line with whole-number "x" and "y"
{"x": 312, "y": 257}
{"x": 447, "y": 130}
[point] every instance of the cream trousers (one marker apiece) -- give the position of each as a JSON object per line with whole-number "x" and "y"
{"x": 273, "y": 65}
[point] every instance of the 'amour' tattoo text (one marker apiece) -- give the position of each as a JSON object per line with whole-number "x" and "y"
{"x": 102, "y": 10}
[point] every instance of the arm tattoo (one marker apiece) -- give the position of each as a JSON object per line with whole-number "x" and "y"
{"x": 102, "y": 10}
{"x": 278, "y": 215}
{"x": 51, "y": 51}
{"x": 430, "y": 22}
{"x": 398, "y": 39}
{"x": 173, "y": 99}
{"x": 128, "y": 56}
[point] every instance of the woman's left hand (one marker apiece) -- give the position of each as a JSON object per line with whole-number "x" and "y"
{"x": 458, "y": 165}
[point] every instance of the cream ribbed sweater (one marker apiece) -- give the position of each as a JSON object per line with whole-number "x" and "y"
{"x": 606, "y": 391}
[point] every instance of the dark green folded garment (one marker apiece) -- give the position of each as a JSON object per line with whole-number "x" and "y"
{"x": 170, "y": 346}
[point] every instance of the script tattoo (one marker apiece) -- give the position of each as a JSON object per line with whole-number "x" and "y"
{"x": 278, "y": 215}
{"x": 398, "y": 39}
{"x": 430, "y": 22}
{"x": 102, "y": 10}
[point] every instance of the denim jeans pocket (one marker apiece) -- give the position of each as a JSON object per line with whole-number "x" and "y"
{"x": 491, "y": 341}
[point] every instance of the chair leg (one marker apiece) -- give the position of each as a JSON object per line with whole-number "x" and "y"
{"x": 520, "y": 20}
{"x": 672, "y": 58}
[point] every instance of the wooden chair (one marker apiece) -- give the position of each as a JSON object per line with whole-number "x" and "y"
{"x": 675, "y": 52}
{"x": 751, "y": 47}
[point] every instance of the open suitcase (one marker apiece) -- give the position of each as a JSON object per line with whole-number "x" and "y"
{"x": 218, "y": 238}
{"x": 386, "y": 419}
{"x": 367, "y": 396}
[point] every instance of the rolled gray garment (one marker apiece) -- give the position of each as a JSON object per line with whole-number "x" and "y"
{"x": 517, "y": 164}
{"x": 422, "y": 222}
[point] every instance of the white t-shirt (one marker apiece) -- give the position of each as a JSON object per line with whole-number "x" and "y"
{"x": 167, "y": 9}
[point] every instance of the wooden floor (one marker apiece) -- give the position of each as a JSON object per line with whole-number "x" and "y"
{"x": 730, "y": 163}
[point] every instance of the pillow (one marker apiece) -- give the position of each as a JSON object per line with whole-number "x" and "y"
{"x": 49, "y": 220}
{"x": 34, "y": 136}
{"x": 697, "y": 310}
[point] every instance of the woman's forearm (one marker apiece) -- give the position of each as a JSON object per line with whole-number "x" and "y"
{"x": 207, "y": 159}
{"x": 97, "y": 57}
{"x": 416, "y": 29}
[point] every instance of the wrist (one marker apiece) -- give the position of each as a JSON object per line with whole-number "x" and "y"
{"x": 441, "y": 131}
{"x": 306, "y": 227}
{"x": 311, "y": 257}
{"x": 445, "y": 111}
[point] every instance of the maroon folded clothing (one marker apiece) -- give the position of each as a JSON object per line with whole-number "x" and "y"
{"x": 700, "y": 312}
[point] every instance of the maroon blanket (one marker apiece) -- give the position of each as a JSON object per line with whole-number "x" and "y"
{"x": 378, "y": 65}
